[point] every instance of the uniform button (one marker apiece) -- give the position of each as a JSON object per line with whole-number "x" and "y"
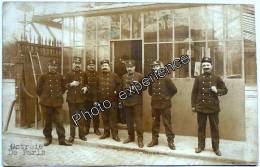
{"x": 203, "y": 82}
{"x": 203, "y": 88}
{"x": 159, "y": 93}
{"x": 203, "y": 100}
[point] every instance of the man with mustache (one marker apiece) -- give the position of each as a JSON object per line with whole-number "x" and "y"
{"x": 92, "y": 96}
{"x": 50, "y": 88}
{"x": 77, "y": 88}
{"x": 162, "y": 90}
{"x": 109, "y": 85}
{"x": 204, "y": 100}
{"x": 133, "y": 105}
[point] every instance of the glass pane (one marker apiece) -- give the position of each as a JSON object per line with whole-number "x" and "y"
{"x": 165, "y": 53}
{"x": 115, "y": 27}
{"x": 197, "y": 52}
{"x": 233, "y": 22}
{"x": 90, "y": 36}
{"x": 217, "y": 55}
{"x": 150, "y": 27}
{"x": 136, "y": 25}
{"x": 67, "y": 59}
{"x": 165, "y": 25}
{"x": 182, "y": 72}
{"x": 125, "y": 26}
{"x": 233, "y": 60}
{"x": 150, "y": 54}
{"x": 198, "y": 23}
{"x": 103, "y": 37}
{"x": 91, "y": 23}
{"x": 215, "y": 23}
{"x": 103, "y": 52}
{"x": 103, "y": 22}
{"x": 181, "y": 29}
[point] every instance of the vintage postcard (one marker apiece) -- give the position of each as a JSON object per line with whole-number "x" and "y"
{"x": 128, "y": 83}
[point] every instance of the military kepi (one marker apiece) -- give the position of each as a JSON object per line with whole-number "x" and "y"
{"x": 53, "y": 62}
{"x": 91, "y": 61}
{"x": 104, "y": 61}
{"x": 76, "y": 59}
{"x": 157, "y": 62}
{"x": 129, "y": 63}
{"x": 206, "y": 59}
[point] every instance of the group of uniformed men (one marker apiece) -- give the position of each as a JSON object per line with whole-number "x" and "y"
{"x": 84, "y": 89}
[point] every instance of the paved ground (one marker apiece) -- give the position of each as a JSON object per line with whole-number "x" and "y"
{"x": 109, "y": 152}
{"x": 89, "y": 154}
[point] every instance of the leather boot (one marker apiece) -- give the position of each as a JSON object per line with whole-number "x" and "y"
{"x": 171, "y": 144}
{"x": 97, "y": 132}
{"x": 217, "y": 152}
{"x": 199, "y": 149}
{"x": 47, "y": 141}
{"x": 64, "y": 143}
{"x": 116, "y": 138}
{"x": 71, "y": 139}
{"x": 153, "y": 142}
{"x": 129, "y": 139}
{"x": 83, "y": 138}
{"x": 105, "y": 135}
{"x": 140, "y": 142}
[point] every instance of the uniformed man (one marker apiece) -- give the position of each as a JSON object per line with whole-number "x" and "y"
{"x": 133, "y": 105}
{"x": 204, "y": 100}
{"x": 108, "y": 85}
{"x": 92, "y": 77}
{"x": 76, "y": 83}
{"x": 161, "y": 90}
{"x": 50, "y": 88}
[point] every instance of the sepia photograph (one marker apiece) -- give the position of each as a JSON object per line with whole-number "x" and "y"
{"x": 129, "y": 83}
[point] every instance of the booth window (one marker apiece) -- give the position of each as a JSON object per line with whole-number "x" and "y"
{"x": 233, "y": 59}
{"x": 115, "y": 27}
{"x": 165, "y": 26}
{"x": 150, "y": 27}
{"x": 150, "y": 55}
{"x": 215, "y": 23}
{"x": 125, "y": 26}
{"x": 198, "y": 23}
{"x": 103, "y": 29}
{"x": 136, "y": 25}
{"x": 182, "y": 72}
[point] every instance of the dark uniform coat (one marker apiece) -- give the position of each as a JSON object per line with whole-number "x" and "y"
{"x": 108, "y": 85}
{"x": 203, "y": 99}
{"x": 50, "y": 88}
{"x": 133, "y": 99}
{"x": 92, "y": 81}
{"x": 162, "y": 91}
{"x": 75, "y": 94}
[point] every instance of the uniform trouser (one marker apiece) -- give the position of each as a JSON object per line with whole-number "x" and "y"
{"x": 134, "y": 114}
{"x": 213, "y": 121}
{"x": 76, "y": 108}
{"x": 166, "y": 117}
{"x": 109, "y": 117}
{"x": 95, "y": 118}
{"x": 53, "y": 115}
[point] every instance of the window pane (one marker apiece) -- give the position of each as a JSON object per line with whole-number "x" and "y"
{"x": 150, "y": 27}
{"x": 136, "y": 25}
{"x": 217, "y": 55}
{"x": 150, "y": 54}
{"x": 198, "y": 23}
{"x": 90, "y": 36}
{"x": 125, "y": 26}
{"x": 233, "y": 60}
{"x": 182, "y": 72}
{"x": 115, "y": 27}
{"x": 197, "y": 52}
{"x": 165, "y": 25}
{"x": 233, "y": 21}
{"x": 215, "y": 22}
{"x": 103, "y": 52}
{"x": 103, "y": 29}
{"x": 91, "y": 23}
{"x": 181, "y": 29}
{"x": 165, "y": 53}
